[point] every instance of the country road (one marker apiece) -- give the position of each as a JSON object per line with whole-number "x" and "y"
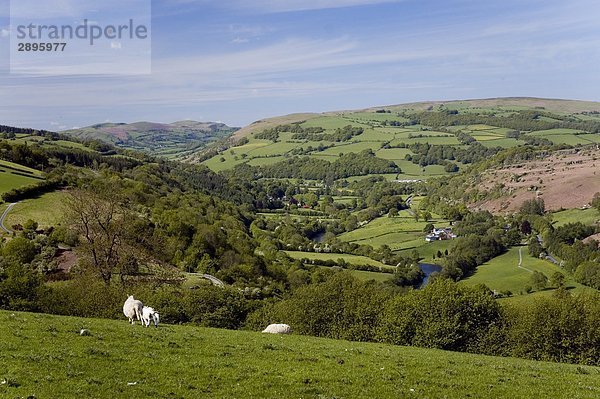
{"x": 3, "y": 218}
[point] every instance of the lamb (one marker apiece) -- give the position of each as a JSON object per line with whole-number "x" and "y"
{"x": 150, "y": 315}
{"x": 278, "y": 329}
{"x": 132, "y": 309}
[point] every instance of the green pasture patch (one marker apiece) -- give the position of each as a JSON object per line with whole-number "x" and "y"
{"x": 45, "y": 356}
{"x": 354, "y": 147}
{"x": 589, "y": 216}
{"x": 332, "y": 122}
{"x": 503, "y": 274}
{"x": 552, "y": 132}
{"x": 504, "y": 143}
{"x": 48, "y": 210}
{"x": 351, "y": 259}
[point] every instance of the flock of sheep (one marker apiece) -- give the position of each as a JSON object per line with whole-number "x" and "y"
{"x": 134, "y": 309}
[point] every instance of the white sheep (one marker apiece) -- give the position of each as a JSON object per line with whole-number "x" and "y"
{"x": 132, "y": 309}
{"x": 278, "y": 329}
{"x": 150, "y": 315}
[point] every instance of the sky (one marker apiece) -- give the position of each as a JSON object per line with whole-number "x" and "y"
{"x": 237, "y": 61}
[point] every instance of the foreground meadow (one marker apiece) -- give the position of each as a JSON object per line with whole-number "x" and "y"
{"x": 45, "y": 356}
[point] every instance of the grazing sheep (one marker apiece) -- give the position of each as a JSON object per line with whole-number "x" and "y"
{"x": 278, "y": 329}
{"x": 132, "y": 309}
{"x": 150, "y": 315}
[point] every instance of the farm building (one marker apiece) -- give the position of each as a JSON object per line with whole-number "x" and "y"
{"x": 440, "y": 234}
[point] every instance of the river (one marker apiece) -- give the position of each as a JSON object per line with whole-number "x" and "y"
{"x": 428, "y": 269}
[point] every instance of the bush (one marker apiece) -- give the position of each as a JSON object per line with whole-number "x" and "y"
{"x": 588, "y": 273}
{"x": 442, "y": 315}
{"x": 341, "y": 307}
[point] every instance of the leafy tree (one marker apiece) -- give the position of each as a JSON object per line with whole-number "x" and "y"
{"x": 451, "y": 167}
{"x": 534, "y": 247}
{"x": 539, "y": 281}
{"x": 588, "y": 273}
{"x": 525, "y": 227}
{"x": 596, "y": 201}
{"x": 442, "y": 315}
{"x": 557, "y": 280}
{"x": 533, "y": 207}
{"x": 19, "y": 251}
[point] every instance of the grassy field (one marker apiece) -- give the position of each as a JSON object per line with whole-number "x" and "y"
{"x": 15, "y": 176}
{"x": 503, "y": 274}
{"x": 44, "y": 356}
{"x": 352, "y": 259}
{"x": 366, "y": 276}
{"x": 47, "y": 210}
{"x": 378, "y": 134}
{"x": 398, "y": 233}
{"x": 585, "y": 216}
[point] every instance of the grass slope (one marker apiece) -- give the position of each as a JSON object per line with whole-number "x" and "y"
{"x": 45, "y": 356}
{"x": 378, "y": 134}
{"x": 352, "y": 259}
{"x": 503, "y": 274}
{"x": 47, "y": 210}
{"x": 169, "y": 140}
{"x": 14, "y": 176}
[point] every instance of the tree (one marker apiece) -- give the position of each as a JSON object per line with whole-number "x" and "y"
{"x": 533, "y": 207}
{"x": 596, "y": 201}
{"x": 539, "y": 280}
{"x": 526, "y": 227}
{"x": 393, "y": 212}
{"x": 588, "y": 273}
{"x": 19, "y": 250}
{"x": 557, "y": 280}
{"x": 534, "y": 247}
{"x": 451, "y": 167}
{"x": 428, "y": 228}
{"x": 97, "y": 216}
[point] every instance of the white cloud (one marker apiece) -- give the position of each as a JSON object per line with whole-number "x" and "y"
{"x": 4, "y": 32}
{"x": 115, "y": 45}
{"x": 240, "y": 40}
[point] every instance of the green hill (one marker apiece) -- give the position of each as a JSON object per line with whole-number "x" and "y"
{"x": 169, "y": 140}
{"x": 393, "y": 132}
{"x": 45, "y": 356}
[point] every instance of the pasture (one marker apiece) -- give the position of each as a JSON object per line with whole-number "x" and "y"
{"x": 47, "y": 210}
{"x": 398, "y": 233}
{"x": 351, "y": 259}
{"x": 503, "y": 274}
{"x": 15, "y": 176}
{"x": 376, "y": 136}
{"x": 44, "y": 356}
{"x": 586, "y": 216}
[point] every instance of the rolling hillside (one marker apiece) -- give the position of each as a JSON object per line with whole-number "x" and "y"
{"x": 392, "y": 132}
{"x": 169, "y": 140}
{"x": 45, "y": 356}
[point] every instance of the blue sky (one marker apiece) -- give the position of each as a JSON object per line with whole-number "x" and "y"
{"x": 238, "y": 61}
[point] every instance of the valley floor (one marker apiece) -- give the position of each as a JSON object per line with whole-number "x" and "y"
{"x": 46, "y": 357}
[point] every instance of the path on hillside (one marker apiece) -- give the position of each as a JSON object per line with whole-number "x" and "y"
{"x": 521, "y": 261}
{"x": 3, "y": 218}
{"x": 215, "y": 281}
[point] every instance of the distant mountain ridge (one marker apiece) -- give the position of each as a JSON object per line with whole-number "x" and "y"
{"x": 170, "y": 140}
